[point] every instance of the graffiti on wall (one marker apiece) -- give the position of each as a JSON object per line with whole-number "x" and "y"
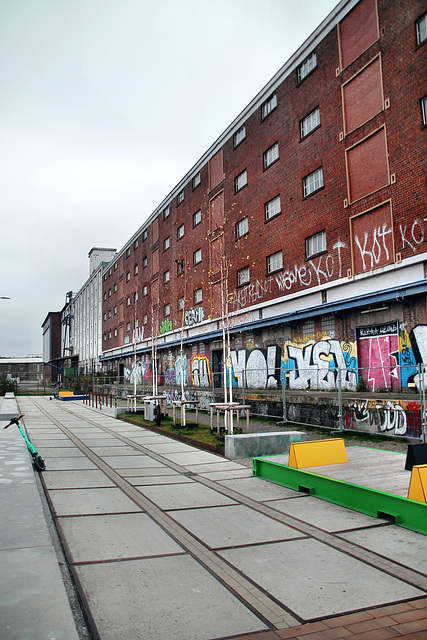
{"x": 252, "y": 293}
{"x": 200, "y": 371}
{"x": 193, "y": 316}
{"x": 378, "y": 349}
{"x": 314, "y": 272}
{"x": 137, "y": 372}
{"x": 261, "y": 367}
{"x": 166, "y": 326}
{"x": 317, "y": 365}
{"x": 181, "y": 370}
{"x": 398, "y": 418}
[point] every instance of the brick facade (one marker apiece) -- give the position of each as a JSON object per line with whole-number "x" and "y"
{"x": 346, "y": 247}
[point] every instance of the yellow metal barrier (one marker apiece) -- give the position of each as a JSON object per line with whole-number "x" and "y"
{"x": 65, "y": 394}
{"x": 316, "y": 453}
{"x": 418, "y": 485}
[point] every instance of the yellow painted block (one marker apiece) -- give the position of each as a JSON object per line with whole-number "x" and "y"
{"x": 316, "y": 453}
{"x": 418, "y": 484}
{"x": 66, "y": 394}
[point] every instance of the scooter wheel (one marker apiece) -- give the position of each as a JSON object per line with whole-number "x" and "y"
{"x": 39, "y": 463}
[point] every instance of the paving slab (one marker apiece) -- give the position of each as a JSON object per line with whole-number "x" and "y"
{"x": 192, "y": 457}
{"x": 398, "y": 544}
{"x": 141, "y": 481}
{"x": 70, "y": 464}
{"x": 132, "y": 461}
{"x": 150, "y": 471}
{"x": 72, "y": 502}
{"x": 51, "y": 443}
{"x": 170, "y": 446}
{"x": 315, "y": 580}
{"x": 63, "y": 452}
{"x": 234, "y": 525}
{"x": 166, "y": 597}
{"x": 33, "y": 601}
{"x": 217, "y": 465}
{"x": 116, "y": 537}
{"x": 104, "y": 452}
{"x": 104, "y": 442}
{"x": 325, "y": 515}
{"x": 184, "y": 496}
{"x": 22, "y": 522}
{"x": 76, "y": 479}
{"x": 244, "y": 472}
{"x": 260, "y": 490}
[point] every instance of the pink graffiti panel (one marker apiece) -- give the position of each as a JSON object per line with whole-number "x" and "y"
{"x": 378, "y": 362}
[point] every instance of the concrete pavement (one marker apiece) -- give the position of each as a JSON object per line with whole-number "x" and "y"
{"x": 166, "y": 541}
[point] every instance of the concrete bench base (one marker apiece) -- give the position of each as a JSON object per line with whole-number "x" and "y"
{"x": 251, "y": 445}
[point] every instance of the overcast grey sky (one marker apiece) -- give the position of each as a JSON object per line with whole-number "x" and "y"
{"x": 104, "y": 106}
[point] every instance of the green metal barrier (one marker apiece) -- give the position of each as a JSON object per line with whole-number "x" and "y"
{"x": 405, "y": 513}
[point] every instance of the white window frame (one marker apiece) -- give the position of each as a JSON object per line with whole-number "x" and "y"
{"x": 166, "y": 276}
{"x": 135, "y": 244}
{"x": 243, "y": 276}
{"x": 180, "y": 197}
{"x": 179, "y": 267}
{"x": 167, "y": 310}
{"x": 315, "y": 244}
{"x": 271, "y": 155}
{"x": 424, "y": 109}
{"x": 128, "y": 327}
{"x": 240, "y": 181}
{"x": 115, "y": 332}
{"x": 239, "y": 136}
{"x": 128, "y": 276}
{"x": 310, "y": 122}
{"x": 109, "y": 313}
{"x": 421, "y": 26}
{"x": 145, "y": 319}
{"x": 180, "y": 232}
{"x": 128, "y": 301}
{"x": 127, "y": 253}
{"x": 273, "y": 208}
{"x": 242, "y": 227}
{"x": 197, "y": 256}
{"x": 274, "y": 262}
{"x": 307, "y": 66}
{"x": 115, "y": 310}
{"x": 268, "y": 106}
{"x": 109, "y": 293}
{"x": 144, "y": 234}
{"x": 197, "y": 180}
{"x": 115, "y": 288}
{"x": 166, "y": 243}
{"x": 197, "y": 218}
{"x": 144, "y": 290}
{"x": 181, "y": 303}
{"x": 313, "y": 182}
{"x": 198, "y": 296}
{"x": 135, "y": 270}
{"x": 166, "y": 212}
{"x": 144, "y": 262}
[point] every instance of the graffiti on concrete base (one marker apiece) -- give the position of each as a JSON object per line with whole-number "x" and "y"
{"x": 392, "y": 417}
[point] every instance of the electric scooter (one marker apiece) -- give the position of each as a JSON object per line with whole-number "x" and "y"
{"x": 38, "y": 461}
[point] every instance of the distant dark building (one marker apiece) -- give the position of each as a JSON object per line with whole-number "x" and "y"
{"x": 52, "y": 348}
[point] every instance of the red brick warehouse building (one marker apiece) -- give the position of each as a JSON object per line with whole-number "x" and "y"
{"x": 308, "y": 215}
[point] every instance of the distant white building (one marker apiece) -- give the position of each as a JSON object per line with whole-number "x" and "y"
{"x": 81, "y": 316}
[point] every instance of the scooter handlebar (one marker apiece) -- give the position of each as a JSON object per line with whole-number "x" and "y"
{"x": 14, "y": 421}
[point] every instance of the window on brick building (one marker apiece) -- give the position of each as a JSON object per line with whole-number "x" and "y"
{"x": 115, "y": 288}
{"x": 128, "y": 252}
{"x": 315, "y": 244}
{"x": 180, "y": 232}
{"x": 197, "y": 218}
{"x": 166, "y": 244}
{"x": 310, "y": 122}
{"x": 179, "y": 267}
{"x": 243, "y": 276}
{"x": 242, "y": 227}
{"x": 109, "y": 335}
{"x": 105, "y": 316}
{"x": 180, "y": 197}
{"x": 196, "y": 180}
{"x": 166, "y": 213}
{"x": 135, "y": 269}
{"x": 239, "y": 136}
{"x": 105, "y": 337}
{"x": 268, "y": 106}
{"x": 308, "y": 329}
{"x": 128, "y": 327}
{"x": 241, "y": 181}
{"x": 198, "y": 296}
{"x": 128, "y": 276}
{"x": 109, "y": 313}
{"x": 307, "y": 66}
{"x": 312, "y": 182}
{"x": 328, "y": 325}
{"x": 144, "y": 290}
{"x": 115, "y": 266}
{"x": 135, "y": 244}
{"x": 144, "y": 262}
{"x": 181, "y": 303}
{"x": 145, "y": 234}
{"x": 128, "y": 301}
{"x": 115, "y": 310}
{"x": 197, "y": 256}
{"x": 144, "y": 319}
{"x": 271, "y": 155}
{"x": 166, "y": 276}
{"x": 424, "y": 109}
{"x": 275, "y": 262}
{"x": 421, "y": 25}
{"x": 109, "y": 293}
{"x": 115, "y": 333}
{"x": 105, "y": 296}
{"x": 272, "y": 208}
{"x": 167, "y": 310}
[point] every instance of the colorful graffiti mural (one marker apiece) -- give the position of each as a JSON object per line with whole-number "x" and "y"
{"x": 378, "y": 348}
{"x": 393, "y": 417}
{"x": 200, "y": 371}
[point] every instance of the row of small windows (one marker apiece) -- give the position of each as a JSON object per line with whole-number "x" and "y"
{"x": 310, "y": 183}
